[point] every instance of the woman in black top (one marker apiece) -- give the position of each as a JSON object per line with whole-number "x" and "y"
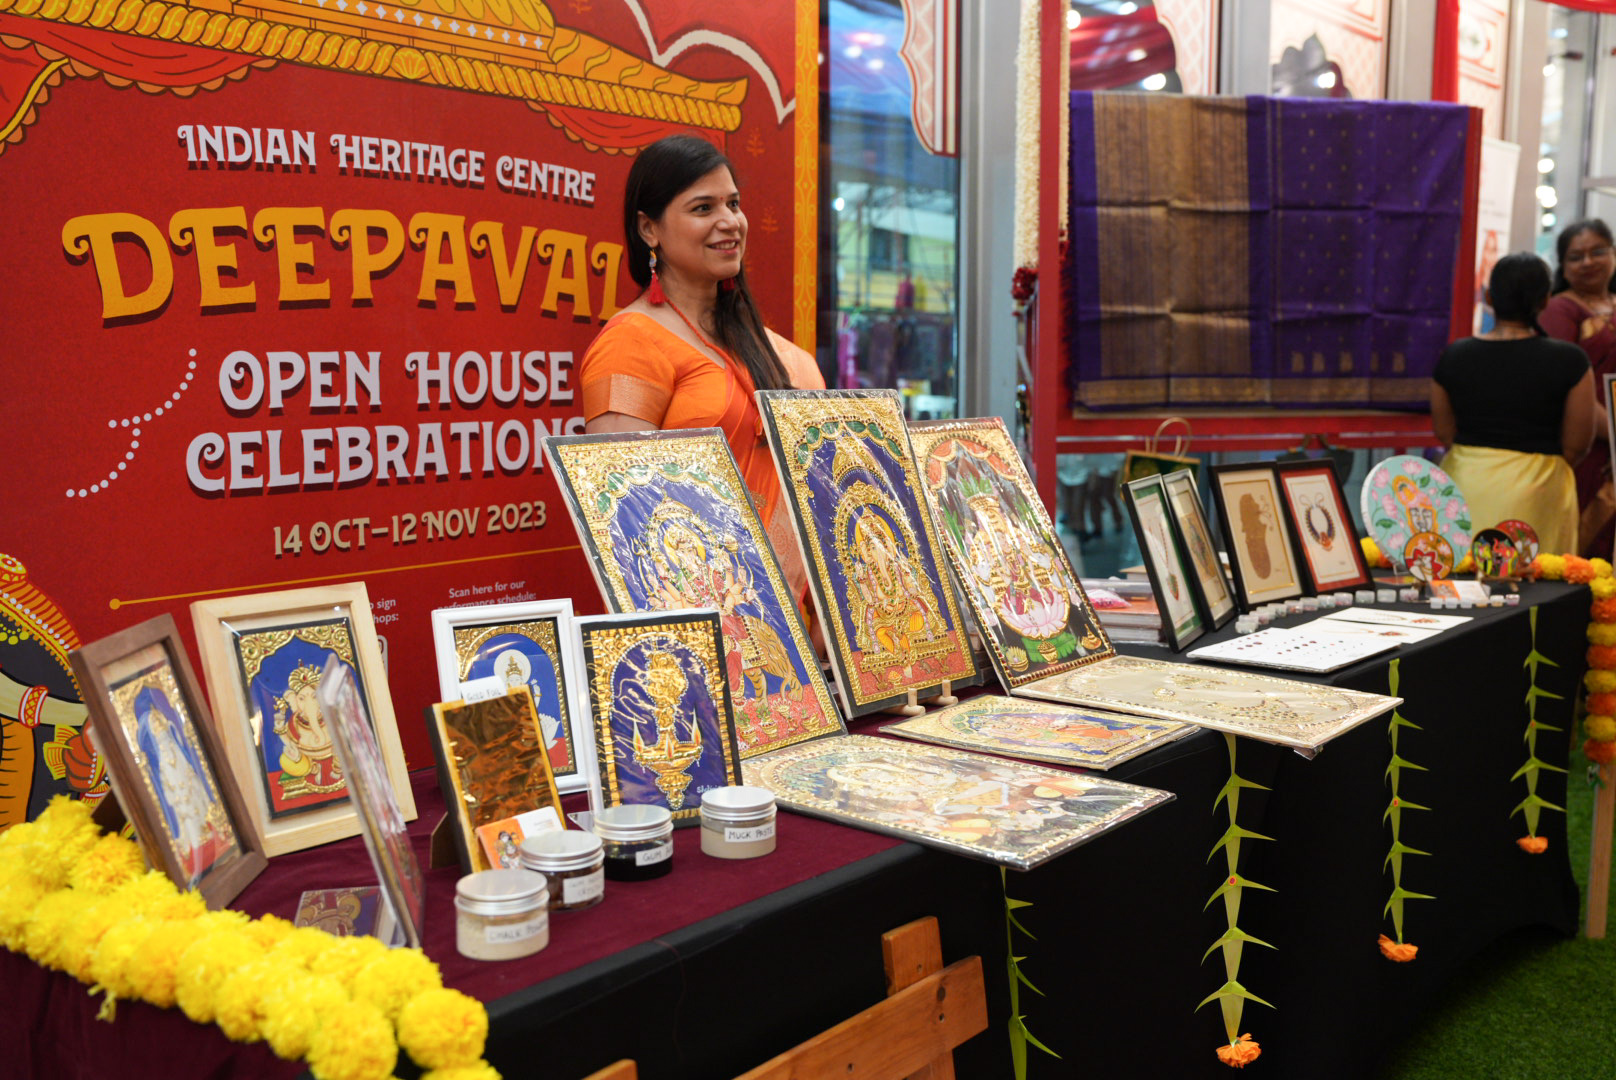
{"x": 1517, "y": 410}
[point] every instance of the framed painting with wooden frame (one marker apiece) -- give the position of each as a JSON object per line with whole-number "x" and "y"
{"x": 1332, "y": 559}
{"x": 520, "y": 643}
{"x": 165, "y": 762}
{"x": 1178, "y": 593}
{"x": 1184, "y": 501}
{"x": 263, "y": 655}
{"x": 1262, "y": 551}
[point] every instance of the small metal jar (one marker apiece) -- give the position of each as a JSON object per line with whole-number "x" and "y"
{"x": 574, "y": 862}
{"x": 638, "y": 841}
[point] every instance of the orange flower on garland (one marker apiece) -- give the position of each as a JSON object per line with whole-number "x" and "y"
{"x": 1602, "y": 657}
{"x": 1402, "y": 952}
{"x": 1604, "y": 610}
{"x": 1533, "y": 845}
{"x": 1600, "y": 753}
{"x": 1602, "y": 704}
{"x": 1578, "y": 571}
{"x": 1240, "y": 1053}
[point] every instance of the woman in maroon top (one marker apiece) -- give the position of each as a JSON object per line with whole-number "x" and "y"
{"x": 1583, "y": 312}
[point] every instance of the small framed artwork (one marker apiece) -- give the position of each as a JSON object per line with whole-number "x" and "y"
{"x": 1166, "y": 561}
{"x": 164, "y": 760}
{"x": 1332, "y": 558}
{"x": 1184, "y": 500}
{"x": 659, "y": 705}
{"x": 494, "y": 771}
{"x": 374, "y": 796}
{"x": 519, "y": 644}
{"x": 264, "y": 655}
{"x": 1257, "y": 532}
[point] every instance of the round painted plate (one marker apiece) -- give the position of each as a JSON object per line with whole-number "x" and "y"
{"x": 1495, "y": 554}
{"x": 1428, "y": 556}
{"x": 1407, "y": 495}
{"x": 1524, "y": 538}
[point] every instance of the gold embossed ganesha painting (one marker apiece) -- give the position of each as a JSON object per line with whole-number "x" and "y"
{"x": 893, "y": 621}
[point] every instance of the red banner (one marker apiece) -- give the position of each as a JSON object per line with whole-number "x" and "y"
{"x": 296, "y": 288}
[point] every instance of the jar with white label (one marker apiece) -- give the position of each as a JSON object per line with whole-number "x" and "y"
{"x": 502, "y": 914}
{"x": 638, "y": 841}
{"x": 737, "y": 822}
{"x": 573, "y": 861}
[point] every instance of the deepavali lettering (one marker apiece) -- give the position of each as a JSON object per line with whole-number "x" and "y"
{"x": 458, "y": 260}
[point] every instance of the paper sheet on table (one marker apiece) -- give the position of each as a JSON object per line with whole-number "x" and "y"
{"x": 1344, "y": 628}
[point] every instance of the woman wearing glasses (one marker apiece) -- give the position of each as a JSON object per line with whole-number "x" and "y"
{"x": 1583, "y": 312}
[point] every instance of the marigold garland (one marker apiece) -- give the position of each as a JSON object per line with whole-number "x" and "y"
{"x": 76, "y": 900}
{"x": 1599, "y": 725}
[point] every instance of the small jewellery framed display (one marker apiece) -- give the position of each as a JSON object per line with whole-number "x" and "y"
{"x": 659, "y": 708}
{"x": 495, "y": 774}
{"x": 1332, "y": 559}
{"x": 668, "y": 524}
{"x": 1172, "y": 576}
{"x": 1405, "y": 495}
{"x": 1184, "y": 500}
{"x": 374, "y": 796}
{"x": 1296, "y": 714}
{"x": 892, "y": 620}
{"x": 1009, "y": 812}
{"x": 264, "y": 655}
{"x": 1003, "y": 550}
{"x": 1257, "y": 533}
{"x": 1037, "y": 731}
{"x": 164, "y": 760}
{"x": 521, "y": 644}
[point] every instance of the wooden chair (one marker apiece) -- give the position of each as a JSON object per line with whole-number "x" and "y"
{"x": 929, "y": 1010}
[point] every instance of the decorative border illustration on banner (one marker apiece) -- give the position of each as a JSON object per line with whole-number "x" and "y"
{"x": 869, "y": 543}
{"x": 264, "y": 656}
{"x": 164, "y": 760}
{"x": 1010, "y": 565}
{"x": 521, "y": 643}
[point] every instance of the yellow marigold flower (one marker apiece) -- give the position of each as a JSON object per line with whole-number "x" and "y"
{"x": 204, "y": 966}
{"x": 1240, "y": 1053}
{"x": 154, "y": 969}
{"x": 112, "y": 966}
{"x": 1603, "y": 588}
{"x": 1602, "y": 633}
{"x": 440, "y": 1028}
{"x": 1602, "y": 568}
{"x": 390, "y": 980}
{"x": 65, "y": 835}
{"x": 1600, "y": 682}
{"x": 47, "y": 930}
{"x": 84, "y": 935}
{"x": 111, "y": 862}
{"x": 1550, "y": 567}
{"x": 344, "y": 959}
{"x": 154, "y": 896}
{"x": 268, "y": 930}
{"x": 238, "y": 1006}
{"x": 1467, "y": 565}
{"x": 480, "y": 1071}
{"x": 1600, "y": 728}
{"x": 293, "y": 1010}
{"x": 19, "y": 897}
{"x": 305, "y": 948}
{"x": 355, "y": 1042}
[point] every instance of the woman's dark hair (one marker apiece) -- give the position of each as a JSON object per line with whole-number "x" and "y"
{"x": 660, "y": 172}
{"x": 1563, "y": 243}
{"x": 1518, "y": 288}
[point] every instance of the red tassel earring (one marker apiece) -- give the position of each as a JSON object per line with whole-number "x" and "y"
{"x": 727, "y": 285}
{"x": 654, "y": 294}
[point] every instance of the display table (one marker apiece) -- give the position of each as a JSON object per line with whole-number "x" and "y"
{"x": 720, "y": 965}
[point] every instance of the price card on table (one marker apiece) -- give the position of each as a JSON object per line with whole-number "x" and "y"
{"x": 1294, "y": 650}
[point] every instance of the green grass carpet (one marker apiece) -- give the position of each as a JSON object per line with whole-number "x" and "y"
{"x": 1533, "y": 1006}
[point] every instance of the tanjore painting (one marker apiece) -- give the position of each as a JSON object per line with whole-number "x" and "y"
{"x": 280, "y": 668}
{"x": 669, "y": 525}
{"x": 522, "y": 652}
{"x": 660, "y": 706}
{"x": 173, "y": 770}
{"x": 1032, "y": 612}
{"x": 1015, "y": 727}
{"x": 492, "y": 765}
{"x": 892, "y": 619}
{"x": 1009, "y": 812}
{"x": 1284, "y": 711}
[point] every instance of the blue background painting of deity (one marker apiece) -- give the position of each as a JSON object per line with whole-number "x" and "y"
{"x": 827, "y": 497}
{"x": 147, "y": 701}
{"x": 269, "y": 684}
{"x": 628, "y": 531}
{"x": 631, "y": 706}
{"x": 541, "y": 679}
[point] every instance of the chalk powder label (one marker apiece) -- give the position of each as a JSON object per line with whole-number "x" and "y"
{"x": 507, "y": 935}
